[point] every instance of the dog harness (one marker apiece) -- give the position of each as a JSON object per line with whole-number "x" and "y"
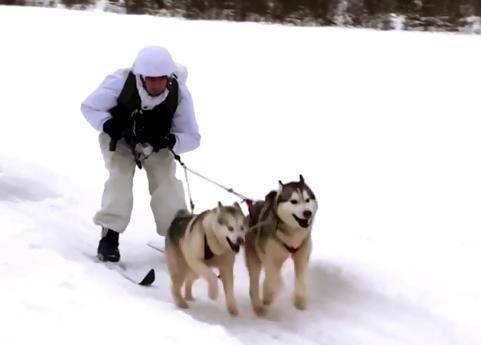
{"x": 290, "y": 249}
{"x": 208, "y": 254}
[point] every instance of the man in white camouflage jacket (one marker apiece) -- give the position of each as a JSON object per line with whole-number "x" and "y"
{"x": 142, "y": 113}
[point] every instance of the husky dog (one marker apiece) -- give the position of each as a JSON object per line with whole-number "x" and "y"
{"x": 196, "y": 242}
{"x": 280, "y": 227}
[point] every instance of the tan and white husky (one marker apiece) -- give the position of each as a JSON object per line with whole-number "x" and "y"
{"x": 195, "y": 243}
{"x": 280, "y": 229}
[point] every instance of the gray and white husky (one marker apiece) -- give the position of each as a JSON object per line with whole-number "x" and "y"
{"x": 194, "y": 243}
{"x": 280, "y": 228}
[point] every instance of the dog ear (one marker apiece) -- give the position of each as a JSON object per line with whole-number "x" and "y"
{"x": 280, "y": 187}
{"x": 220, "y": 207}
{"x": 269, "y": 198}
{"x": 237, "y": 206}
{"x": 301, "y": 179}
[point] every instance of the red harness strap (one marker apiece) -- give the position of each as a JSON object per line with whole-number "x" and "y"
{"x": 291, "y": 250}
{"x": 250, "y": 205}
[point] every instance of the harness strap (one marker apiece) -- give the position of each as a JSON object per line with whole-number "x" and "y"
{"x": 290, "y": 249}
{"x": 208, "y": 254}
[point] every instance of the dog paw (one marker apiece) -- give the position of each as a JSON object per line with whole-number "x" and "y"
{"x": 182, "y": 304}
{"x": 300, "y": 303}
{"x": 233, "y": 310}
{"x": 260, "y": 310}
{"x": 267, "y": 300}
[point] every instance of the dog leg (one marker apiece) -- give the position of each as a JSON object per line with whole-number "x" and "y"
{"x": 177, "y": 281}
{"x": 191, "y": 277}
{"x": 227, "y": 275}
{"x": 202, "y": 270}
{"x": 301, "y": 260}
{"x": 177, "y": 274}
{"x": 272, "y": 281}
{"x": 177, "y": 269}
{"x": 254, "y": 267}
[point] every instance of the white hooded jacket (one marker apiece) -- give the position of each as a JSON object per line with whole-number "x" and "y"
{"x": 96, "y": 107}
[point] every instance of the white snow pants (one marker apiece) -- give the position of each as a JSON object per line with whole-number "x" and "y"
{"x": 166, "y": 191}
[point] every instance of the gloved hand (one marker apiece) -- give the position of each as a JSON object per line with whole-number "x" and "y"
{"x": 165, "y": 142}
{"x": 144, "y": 149}
{"x": 114, "y": 127}
{"x": 129, "y": 137}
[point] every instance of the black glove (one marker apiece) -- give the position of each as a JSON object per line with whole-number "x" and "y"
{"x": 165, "y": 142}
{"x": 115, "y": 128}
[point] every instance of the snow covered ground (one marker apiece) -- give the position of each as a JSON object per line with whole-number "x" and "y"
{"x": 385, "y": 127}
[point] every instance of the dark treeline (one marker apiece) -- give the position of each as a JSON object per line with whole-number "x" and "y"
{"x": 445, "y": 15}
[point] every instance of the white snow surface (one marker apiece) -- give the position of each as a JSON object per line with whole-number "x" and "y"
{"x": 384, "y": 126}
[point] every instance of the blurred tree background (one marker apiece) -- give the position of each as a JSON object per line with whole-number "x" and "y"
{"x": 426, "y": 15}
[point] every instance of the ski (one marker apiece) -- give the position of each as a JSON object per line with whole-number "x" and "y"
{"x": 155, "y": 246}
{"x": 136, "y": 278}
{"x": 142, "y": 280}
{"x": 148, "y": 279}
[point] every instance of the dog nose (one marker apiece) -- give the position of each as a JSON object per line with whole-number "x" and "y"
{"x": 307, "y": 214}
{"x": 240, "y": 241}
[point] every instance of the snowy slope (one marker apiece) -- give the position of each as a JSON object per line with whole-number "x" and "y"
{"x": 384, "y": 126}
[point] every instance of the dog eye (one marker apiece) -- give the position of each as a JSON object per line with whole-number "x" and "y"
{"x": 230, "y": 228}
{"x": 307, "y": 200}
{"x": 242, "y": 228}
{"x": 293, "y": 202}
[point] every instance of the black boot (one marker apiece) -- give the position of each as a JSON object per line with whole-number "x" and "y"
{"x": 108, "y": 249}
